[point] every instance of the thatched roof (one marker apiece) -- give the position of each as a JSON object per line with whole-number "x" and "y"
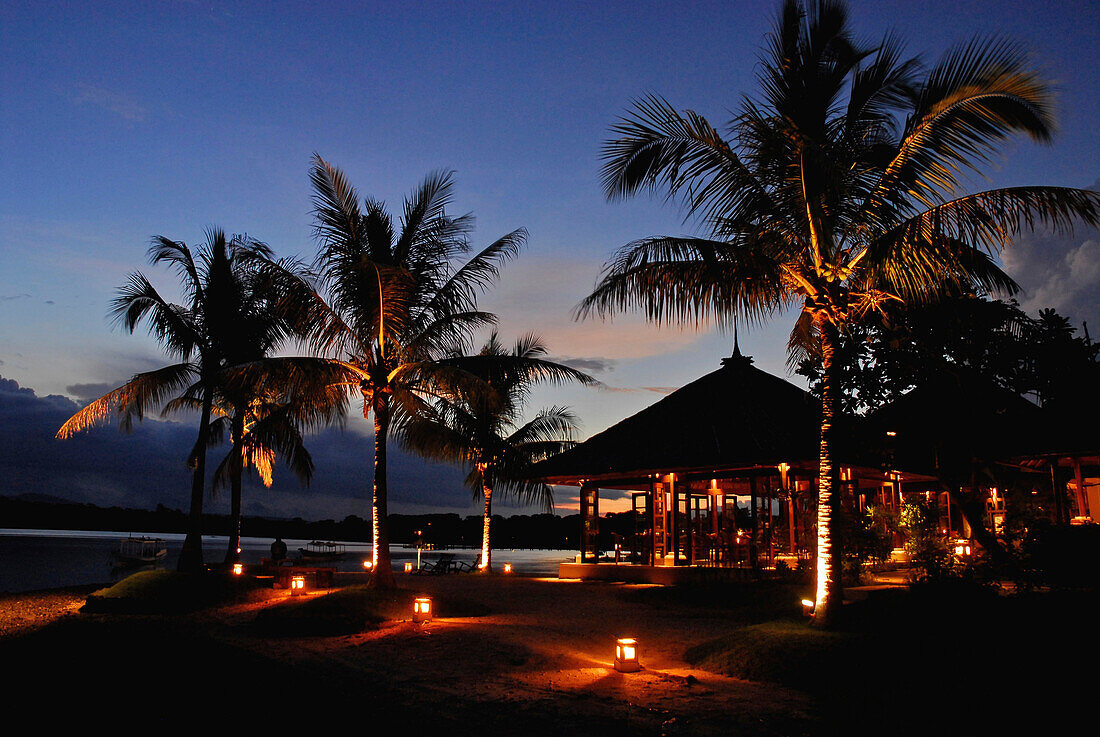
{"x": 958, "y": 417}
{"x": 736, "y": 417}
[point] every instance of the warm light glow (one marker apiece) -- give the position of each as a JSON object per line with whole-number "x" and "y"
{"x": 807, "y": 607}
{"x": 422, "y": 609}
{"x": 507, "y": 567}
{"x": 408, "y": 567}
{"x": 626, "y": 655}
{"x": 238, "y": 569}
{"x": 891, "y": 433}
{"x": 297, "y": 585}
{"x": 784, "y": 469}
{"x": 368, "y": 564}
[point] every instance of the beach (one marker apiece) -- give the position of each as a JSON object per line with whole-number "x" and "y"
{"x": 539, "y": 661}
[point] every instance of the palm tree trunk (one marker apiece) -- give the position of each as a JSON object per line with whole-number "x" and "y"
{"x": 829, "y": 589}
{"x": 191, "y": 555}
{"x": 486, "y": 546}
{"x": 380, "y": 539}
{"x": 236, "y": 469}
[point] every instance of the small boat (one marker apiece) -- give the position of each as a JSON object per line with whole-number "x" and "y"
{"x": 317, "y": 550}
{"x": 135, "y": 551}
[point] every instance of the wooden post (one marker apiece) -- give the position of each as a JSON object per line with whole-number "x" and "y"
{"x": 790, "y": 516}
{"x": 1082, "y": 499}
{"x": 590, "y": 522}
{"x": 754, "y": 561}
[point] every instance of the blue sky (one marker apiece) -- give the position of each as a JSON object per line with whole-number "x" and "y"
{"x": 125, "y": 120}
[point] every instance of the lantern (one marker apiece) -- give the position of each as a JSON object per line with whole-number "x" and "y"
{"x": 368, "y": 564}
{"x": 297, "y": 585}
{"x": 408, "y": 567}
{"x": 807, "y": 607}
{"x": 626, "y": 655}
{"x": 507, "y": 567}
{"x": 238, "y": 569}
{"x": 422, "y": 609}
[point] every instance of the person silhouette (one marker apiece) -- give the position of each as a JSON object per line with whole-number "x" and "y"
{"x": 278, "y": 549}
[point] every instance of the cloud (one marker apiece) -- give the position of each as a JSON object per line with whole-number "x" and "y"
{"x": 1058, "y": 270}
{"x": 640, "y": 389}
{"x": 147, "y": 467}
{"x": 594, "y": 365}
{"x": 116, "y": 102}
{"x": 85, "y": 393}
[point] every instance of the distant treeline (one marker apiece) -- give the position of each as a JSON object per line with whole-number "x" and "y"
{"x": 537, "y": 531}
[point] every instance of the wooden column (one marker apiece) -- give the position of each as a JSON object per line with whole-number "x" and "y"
{"x": 1082, "y": 498}
{"x": 754, "y": 560}
{"x": 590, "y": 522}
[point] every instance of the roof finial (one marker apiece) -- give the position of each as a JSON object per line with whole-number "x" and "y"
{"x": 736, "y": 359}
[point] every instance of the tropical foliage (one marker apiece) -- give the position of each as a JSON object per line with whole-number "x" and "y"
{"x": 401, "y": 297}
{"x": 481, "y": 426}
{"x": 228, "y": 319}
{"x": 838, "y": 190}
{"x": 1038, "y": 357}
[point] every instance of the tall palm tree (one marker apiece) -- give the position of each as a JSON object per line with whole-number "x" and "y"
{"x": 207, "y": 335}
{"x": 839, "y": 189}
{"x": 400, "y": 299}
{"x": 480, "y": 427}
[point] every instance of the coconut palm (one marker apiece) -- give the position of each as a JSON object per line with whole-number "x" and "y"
{"x": 260, "y": 428}
{"x": 480, "y": 426}
{"x": 209, "y": 333}
{"x": 839, "y": 188}
{"x": 400, "y": 299}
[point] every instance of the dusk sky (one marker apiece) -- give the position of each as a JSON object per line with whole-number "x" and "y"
{"x": 126, "y": 120}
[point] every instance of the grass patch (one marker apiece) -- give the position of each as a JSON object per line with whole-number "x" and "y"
{"x": 168, "y": 592}
{"x": 790, "y": 653}
{"x": 747, "y": 602}
{"x": 352, "y": 609}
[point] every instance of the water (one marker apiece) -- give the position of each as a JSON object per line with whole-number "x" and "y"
{"x": 46, "y": 559}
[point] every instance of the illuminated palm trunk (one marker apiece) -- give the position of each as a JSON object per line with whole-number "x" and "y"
{"x": 486, "y": 547}
{"x": 236, "y": 471}
{"x": 380, "y": 540}
{"x": 191, "y": 555}
{"x": 829, "y": 594}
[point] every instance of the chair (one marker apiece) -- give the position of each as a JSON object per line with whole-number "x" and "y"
{"x": 464, "y": 567}
{"x": 441, "y": 565}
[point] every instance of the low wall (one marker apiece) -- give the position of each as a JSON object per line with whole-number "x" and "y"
{"x": 631, "y": 573}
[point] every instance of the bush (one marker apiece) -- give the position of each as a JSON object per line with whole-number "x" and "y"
{"x": 1062, "y": 557}
{"x": 168, "y": 592}
{"x": 351, "y": 610}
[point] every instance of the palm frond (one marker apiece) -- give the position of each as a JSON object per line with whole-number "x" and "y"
{"x": 142, "y": 392}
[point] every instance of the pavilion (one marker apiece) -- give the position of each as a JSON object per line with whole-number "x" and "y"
{"x": 722, "y": 477}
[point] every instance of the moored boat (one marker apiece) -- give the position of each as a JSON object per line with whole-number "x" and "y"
{"x": 140, "y": 551}
{"x": 318, "y": 550}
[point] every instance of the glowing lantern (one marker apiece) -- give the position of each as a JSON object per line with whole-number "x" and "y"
{"x": 807, "y": 607}
{"x": 422, "y": 609}
{"x": 368, "y": 564}
{"x": 297, "y": 585}
{"x": 408, "y": 567}
{"x": 626, "y": 655}
{"x": 238, "y": 569}
{"x": 507, "y": 567}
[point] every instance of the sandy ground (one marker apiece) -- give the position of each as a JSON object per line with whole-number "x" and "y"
{"x": 544, "y": 653}
{"x": 20, "y": 613}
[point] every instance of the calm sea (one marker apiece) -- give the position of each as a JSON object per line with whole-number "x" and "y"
{"x": 46, "y": 559}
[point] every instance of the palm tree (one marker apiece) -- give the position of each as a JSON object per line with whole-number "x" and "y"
{"x": 400, "y": 300}
{"x": 838, "y": 190}
{"x": 259, "y": 429}
{"x": 207, "y": 335}
{"x": 479, "y": 426}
